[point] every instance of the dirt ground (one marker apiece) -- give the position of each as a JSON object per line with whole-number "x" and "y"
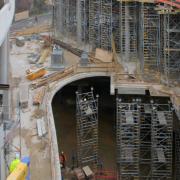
{"x": 26, "y": 137}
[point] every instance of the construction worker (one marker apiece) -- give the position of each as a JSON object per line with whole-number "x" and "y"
{"x": 14, "y": 163}
{"x": 62, "y": 160}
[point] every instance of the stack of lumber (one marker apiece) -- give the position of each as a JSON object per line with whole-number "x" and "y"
{"x": 33, "y": 30}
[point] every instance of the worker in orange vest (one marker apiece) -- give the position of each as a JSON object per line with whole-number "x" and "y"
{"x": 62, "y": 158}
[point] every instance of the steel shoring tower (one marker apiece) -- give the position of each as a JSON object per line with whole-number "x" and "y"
{"x": 145, "y": 140}
{"x": 87, "y": 128}
{"x": 162, "y": 137}
{"x": 128, "y": 140}
{"x": 72, "y": 18}
{"x": 84, "y": 8}
{"x": 128, "y": 29}
{"x": 150, "y": 42}
{"x": 116, "y": 24}
{"x": 58, "y": 18}
{"x": 177, "y": 154}
{"x": 94, "y": 23}
{"x": 65, "y": 17}
{"x": 172, "y": 46}
{"x": 106, "y": 24}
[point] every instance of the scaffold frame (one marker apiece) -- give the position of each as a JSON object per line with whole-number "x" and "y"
{"x": 162, "y": 137}
{"x": 171, "y": 47}
{"x": 149, "y": 36}
{"x": 128, "y": 31}
{"x": 87, "y": 128}
{"x": 128, "y": 139}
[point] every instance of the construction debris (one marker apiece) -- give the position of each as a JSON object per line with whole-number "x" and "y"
{"x": 44, "y": 54}
{"x": 38, "y": 96}
{"x": 20, "y": 41}
{"x": 38, "y": 113}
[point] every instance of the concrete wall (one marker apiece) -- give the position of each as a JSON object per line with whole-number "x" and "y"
{"x": 6, "y": 18}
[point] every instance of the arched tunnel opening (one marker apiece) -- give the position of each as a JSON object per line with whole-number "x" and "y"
{"x": 64, "y": 110}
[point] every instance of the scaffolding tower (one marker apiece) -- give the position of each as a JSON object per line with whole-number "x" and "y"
{"x": 100, "y": 24}
{"x": 142, "y": 31}
{"x": 177, "y": 155}
{"x": 128, "y": 29}
{"x": 162, "y": 137}
{"x": 94, "y": 23}
{"x": 128, "y": 140}
{"x": 116, "y": 24}
{"x": 172, "y": 46}
{"x": 58, "y": 18}
{"x": 82, "y": 20}
{"x": 106, "y": 24}
{"x": 145, "y": 140}
{"x": 149, "y": 36}
{"x": 65, "y": 18}
{"x": 87, "y": 128}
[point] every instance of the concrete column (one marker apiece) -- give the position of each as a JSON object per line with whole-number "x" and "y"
{"x": 4, "y": 56}
{"x": 4, "y": 74}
